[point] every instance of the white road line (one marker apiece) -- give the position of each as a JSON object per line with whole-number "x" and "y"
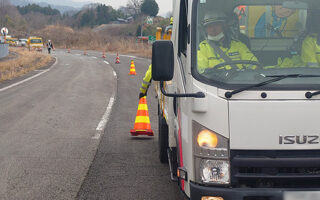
{"x": 114, "y": 73}
{"x": 128, "y": 56}
{"x": 77, "y": 54}
{"x": 103, "y": 122}
{"x": 136, "y": 57}
{"x": 101, "y": 126}
{"x": 28, "y": 79}
{"x": 94, "y": 57}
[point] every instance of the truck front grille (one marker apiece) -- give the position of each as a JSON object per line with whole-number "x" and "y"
{"x": 277, "y": 169}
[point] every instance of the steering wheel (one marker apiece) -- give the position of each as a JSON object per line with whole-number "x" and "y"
{"x": 230, "y": 73}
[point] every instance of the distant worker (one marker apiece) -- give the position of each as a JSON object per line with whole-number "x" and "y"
{"x": 146, "y": 82}
{"x": 310, "y": 52}
{"x": 219, "y": 47}
{"x": 49, "y": 46}
{"x": 170, "y": 26}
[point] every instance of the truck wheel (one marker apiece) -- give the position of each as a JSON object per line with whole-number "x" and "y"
{"x": 163, "y": 140}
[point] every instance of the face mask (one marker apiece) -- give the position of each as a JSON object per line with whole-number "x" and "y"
{"x": 217, "y": 37}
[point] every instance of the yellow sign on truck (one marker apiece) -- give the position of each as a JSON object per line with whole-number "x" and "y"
{"x": 12, "y": 41}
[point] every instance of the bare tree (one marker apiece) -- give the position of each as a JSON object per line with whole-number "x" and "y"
{"x": 3, "y": 5}
{"x": 8, "y": 13}
{"x": 135, "y": 6}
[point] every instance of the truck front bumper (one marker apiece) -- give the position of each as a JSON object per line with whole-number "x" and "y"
{"x": 198, "y": 191}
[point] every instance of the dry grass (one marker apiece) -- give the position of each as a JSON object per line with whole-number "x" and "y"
{"x": 126, "y": 46}
{"x": 87, "y": 39}
{"x": 109, "y": 40}
{"x": 25, "y": 62}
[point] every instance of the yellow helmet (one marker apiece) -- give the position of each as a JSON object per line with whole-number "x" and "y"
{"x": 214, "y": 16}
{"x": 171, "y": 20}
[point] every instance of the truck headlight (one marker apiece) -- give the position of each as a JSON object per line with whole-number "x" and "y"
{"x": 215, "y": 171}
{"x": 211, "y": 156}
{"x": 209, "y": 143}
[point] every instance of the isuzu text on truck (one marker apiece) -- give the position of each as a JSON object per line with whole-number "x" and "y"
{"x": 241, "y": 128}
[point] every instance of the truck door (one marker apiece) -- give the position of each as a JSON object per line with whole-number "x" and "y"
{"x": 181, "y": 82}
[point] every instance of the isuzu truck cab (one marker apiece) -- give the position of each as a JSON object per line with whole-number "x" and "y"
{"x": 242, "y": 129}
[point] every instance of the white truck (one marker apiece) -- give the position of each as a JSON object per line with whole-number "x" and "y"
{"x": 242, "y": 129}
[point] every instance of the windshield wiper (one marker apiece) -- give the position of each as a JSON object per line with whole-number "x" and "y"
{"x": 309, "y": 95}
{"x": 275, "y": 79}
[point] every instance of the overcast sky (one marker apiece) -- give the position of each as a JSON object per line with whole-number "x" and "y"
{"x": 164, "y": 5}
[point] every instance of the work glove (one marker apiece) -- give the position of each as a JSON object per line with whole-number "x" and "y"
{"x": 142, "y": 95}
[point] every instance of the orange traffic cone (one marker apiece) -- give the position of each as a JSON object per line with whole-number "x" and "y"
{"x": 142, "y": 124}
{"x": 118, "y": 59}
{"x": 132, "y": 69}
{"x": 103, "y": 54}
{"x": 85, "y": 52}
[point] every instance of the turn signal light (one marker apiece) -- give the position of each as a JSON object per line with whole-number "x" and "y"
{"x": 211, "y": 198}
{"x": 207, "y": 139}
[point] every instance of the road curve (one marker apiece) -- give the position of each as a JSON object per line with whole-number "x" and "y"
{"x": 47, "y": 128}
{"x": 126, "y": 167}
{"x": 50, "y": 131}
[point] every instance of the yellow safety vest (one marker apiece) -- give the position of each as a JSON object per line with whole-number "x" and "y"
{"x": 310, "y": 52}
{"x": 146, "y": 82}
{"x": 207, "y": 58}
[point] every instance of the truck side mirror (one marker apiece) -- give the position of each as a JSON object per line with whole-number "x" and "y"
{"x": 162, "y": 60}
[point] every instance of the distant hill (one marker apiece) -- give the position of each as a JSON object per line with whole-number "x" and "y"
{"x": 62, "y": 5}
{"x": 19, "y": 2}
{"x": 62, "y": 9}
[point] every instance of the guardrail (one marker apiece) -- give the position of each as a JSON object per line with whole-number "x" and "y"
{"x": 4, "y": 50}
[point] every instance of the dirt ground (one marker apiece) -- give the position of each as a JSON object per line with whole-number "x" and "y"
{"x": 21, "y": 61}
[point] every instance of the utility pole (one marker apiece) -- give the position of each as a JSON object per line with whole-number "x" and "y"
{"x": 141, "y": 34}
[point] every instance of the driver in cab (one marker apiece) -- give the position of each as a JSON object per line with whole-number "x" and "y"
{"x": 310, "y": 52}
{"x": 218, "y": 47}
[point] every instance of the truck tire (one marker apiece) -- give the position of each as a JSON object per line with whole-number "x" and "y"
{"x": 163, "y": 140}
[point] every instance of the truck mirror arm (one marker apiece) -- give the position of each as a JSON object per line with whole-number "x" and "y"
{"x": 195, "y": 95}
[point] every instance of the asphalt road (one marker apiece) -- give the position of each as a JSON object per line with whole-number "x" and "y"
{"x": 126, "y": 167}
{"x": 50, "y": 143}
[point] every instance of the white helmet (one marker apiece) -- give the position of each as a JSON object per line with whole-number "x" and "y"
{"x": 49, "y": 40}
{"x": 214, "y": 16}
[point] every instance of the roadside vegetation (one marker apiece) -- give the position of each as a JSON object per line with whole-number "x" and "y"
{"x": 94, "y": 27}
{"x": 24, "y": 62}
{"x": 87, "y": 39}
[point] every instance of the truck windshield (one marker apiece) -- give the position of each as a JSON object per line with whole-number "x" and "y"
{"x": 239, "y": 43}
{"x": 36, "y": 41}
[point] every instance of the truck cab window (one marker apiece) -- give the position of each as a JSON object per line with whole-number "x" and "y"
{"x": 243, "y": 44}
{"x": 183, "y": 27}
{"x": 183, "y": 38}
